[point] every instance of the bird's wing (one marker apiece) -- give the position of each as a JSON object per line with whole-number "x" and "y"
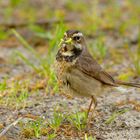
{"x": 90, "y": 67}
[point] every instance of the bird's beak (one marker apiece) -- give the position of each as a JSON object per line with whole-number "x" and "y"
{"x": 62, "y": 41}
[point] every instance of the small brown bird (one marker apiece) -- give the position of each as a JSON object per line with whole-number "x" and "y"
{"x": 78, "y": 72}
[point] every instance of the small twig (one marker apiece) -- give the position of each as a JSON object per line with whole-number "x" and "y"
{"x": 9, "y": 126}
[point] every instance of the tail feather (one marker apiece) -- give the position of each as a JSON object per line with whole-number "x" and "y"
{"x": 131, "y": 84}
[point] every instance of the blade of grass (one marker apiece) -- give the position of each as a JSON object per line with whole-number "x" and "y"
{"x": 115, "y": 115}
{"x": 25, "y": 44}
{"x": 27, "y": 61}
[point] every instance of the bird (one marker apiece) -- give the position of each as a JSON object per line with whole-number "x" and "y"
{"x": 79, "y": 73}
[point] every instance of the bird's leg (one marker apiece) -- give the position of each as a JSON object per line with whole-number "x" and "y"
{"x": 90, "y": 106}
{"x": 95, "y": 104}
{"x": 93, "y": 100}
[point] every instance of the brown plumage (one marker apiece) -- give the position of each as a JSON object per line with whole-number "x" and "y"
{"x": 80, "y": 73}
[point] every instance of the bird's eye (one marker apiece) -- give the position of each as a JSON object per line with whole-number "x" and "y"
{"x": 77, "y": 38}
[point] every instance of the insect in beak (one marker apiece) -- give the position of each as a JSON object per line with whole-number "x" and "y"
{"x": 68, "y": 41}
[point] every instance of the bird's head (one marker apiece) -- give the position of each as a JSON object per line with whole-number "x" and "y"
{"x": 71, "y": 46}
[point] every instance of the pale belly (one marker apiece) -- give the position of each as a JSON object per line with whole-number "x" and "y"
{"x": 78, "y": 83}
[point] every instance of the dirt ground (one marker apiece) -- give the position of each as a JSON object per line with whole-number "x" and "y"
{"x": 126, "y": 126}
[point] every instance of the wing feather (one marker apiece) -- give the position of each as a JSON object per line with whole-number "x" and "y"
{"x": 88, "y": 65}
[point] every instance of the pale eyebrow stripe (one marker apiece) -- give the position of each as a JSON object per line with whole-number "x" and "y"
{"x": 77, "y": 34}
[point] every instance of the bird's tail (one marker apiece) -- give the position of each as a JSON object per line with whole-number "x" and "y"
{"x": 131, "y": 84}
